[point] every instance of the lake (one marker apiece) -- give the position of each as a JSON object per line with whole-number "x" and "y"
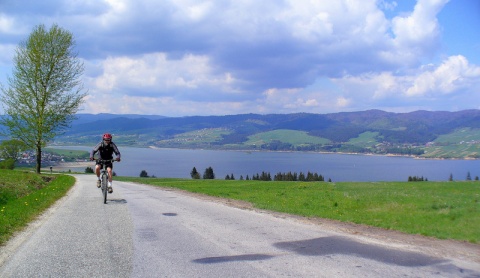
{"x": 177, "y": 163}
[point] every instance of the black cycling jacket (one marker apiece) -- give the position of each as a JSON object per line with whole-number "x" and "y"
{"x": 105, "y": 150}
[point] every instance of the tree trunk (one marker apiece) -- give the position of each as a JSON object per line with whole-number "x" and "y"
{"x": 39, "y": 158}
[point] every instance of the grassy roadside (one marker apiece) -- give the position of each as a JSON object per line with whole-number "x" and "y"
{"x": 445, "y": 210}
{"x": 25, "y": 195}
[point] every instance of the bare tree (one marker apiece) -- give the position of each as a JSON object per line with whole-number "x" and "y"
{"x": 45, "y": 91}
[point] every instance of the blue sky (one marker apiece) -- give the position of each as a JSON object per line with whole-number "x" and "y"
{"x": 223, "y": 57}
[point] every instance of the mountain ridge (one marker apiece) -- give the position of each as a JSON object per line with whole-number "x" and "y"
{"x": 370, "y": 131}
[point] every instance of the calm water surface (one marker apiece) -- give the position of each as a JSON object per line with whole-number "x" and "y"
{"x": 177, "y": 163}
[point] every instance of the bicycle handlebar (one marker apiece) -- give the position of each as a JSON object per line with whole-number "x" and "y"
{"x": 105, "y": 160}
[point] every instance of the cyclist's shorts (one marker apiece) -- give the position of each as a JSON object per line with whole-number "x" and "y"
{"x": 109, "y": 164}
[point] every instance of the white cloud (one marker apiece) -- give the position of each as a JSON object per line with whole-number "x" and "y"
{"x": 164, "y": 105}
{"x": 453, "y": 74}
{"x": 114, "y": 13}
{"x": 264, "y": 44}
{"x": 420, "y": 25}
{"x": 416, "y": 35}
{"x": 192, "y": 10}
{"x": 155, "y": 74}
{"x": 387, "y": 5}
{"x": 8, "y": 25}
{"x": 311, "y": 103}
{"x": 224, "y": 57}
{"x": 343, "y": 102}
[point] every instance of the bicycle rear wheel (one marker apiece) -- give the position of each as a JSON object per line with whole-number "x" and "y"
{"x": 104, "y": 188}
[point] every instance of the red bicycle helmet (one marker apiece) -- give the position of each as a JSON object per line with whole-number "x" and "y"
{"x": 107, "y": 136}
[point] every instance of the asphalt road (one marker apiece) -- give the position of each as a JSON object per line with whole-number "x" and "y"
{"x": 149, "y": 232}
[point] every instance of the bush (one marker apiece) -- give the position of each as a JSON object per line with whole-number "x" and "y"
{"x": 89, "y": 170}
{"x": 143, "y": 174}
{"x": 416, "y": 178}
{"x": 8, "y": 164}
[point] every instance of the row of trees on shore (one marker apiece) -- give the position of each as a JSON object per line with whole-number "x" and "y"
{"x": 264, "y": 176}
{"x": 293, "y": 176}
{"x": 207, "y": 175}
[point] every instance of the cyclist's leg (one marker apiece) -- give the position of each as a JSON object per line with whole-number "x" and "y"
{"x": 109, "y": 170}
{"x": 110, "y": 173}
{"x": 97, "y": 170}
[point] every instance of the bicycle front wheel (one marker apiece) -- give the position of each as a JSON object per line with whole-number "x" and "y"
{"x": 104, "y": 188}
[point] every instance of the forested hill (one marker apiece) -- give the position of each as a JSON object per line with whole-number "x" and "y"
{"x": 371, "y": 131}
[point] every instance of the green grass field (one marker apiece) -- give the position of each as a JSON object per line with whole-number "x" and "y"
{"x": 201, "y": 136}
{"x": 365, "y": 139}
{"x": 294, "y": 137}
{"x": 445, "y": 210}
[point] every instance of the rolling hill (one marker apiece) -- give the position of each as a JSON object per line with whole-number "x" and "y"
{"x": 420, "y": 133}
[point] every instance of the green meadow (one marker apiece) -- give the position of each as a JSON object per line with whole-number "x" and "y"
{"x": 445, "y": 210}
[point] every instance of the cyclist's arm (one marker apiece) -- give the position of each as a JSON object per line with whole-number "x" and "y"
{"x": 95, "y": 150}
{"x": 116, "y": 151}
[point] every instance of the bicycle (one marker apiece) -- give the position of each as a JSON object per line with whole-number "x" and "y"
{"x": 104, "y": 177}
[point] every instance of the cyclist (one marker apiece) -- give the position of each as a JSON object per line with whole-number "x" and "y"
{"x": 106, "y": 148}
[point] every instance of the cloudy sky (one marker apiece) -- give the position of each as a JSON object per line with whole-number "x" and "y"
{"x": 223, "y": 57}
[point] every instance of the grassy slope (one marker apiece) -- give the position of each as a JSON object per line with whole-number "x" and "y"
{"x": 464, "y": 134}
{"x": 293, "y": 137}
{"x": 446, "y": 210}
{"x": 459, "y": 144}
{"x": 25, "y": 195}
{"x": 365, "y": 139}
{"x": 208, "y": 135}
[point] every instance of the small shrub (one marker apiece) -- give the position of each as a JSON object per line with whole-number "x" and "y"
{"x": 416, "y": 178}
{"x": 143, "y": 174}
{"x": 8, "y": 164}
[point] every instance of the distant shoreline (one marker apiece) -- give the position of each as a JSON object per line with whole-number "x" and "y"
{"x": 284, "y": 151}
{"x": 73, "y": 166}
{"x": 321, "y": 152}
{"x": 176, "y": 162}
